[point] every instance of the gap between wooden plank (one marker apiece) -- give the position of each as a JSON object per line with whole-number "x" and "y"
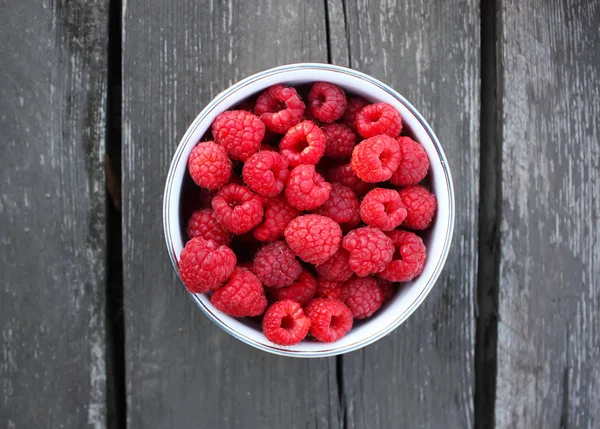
{"x": 490, "y": 204}
{"x": 115, "y": 332}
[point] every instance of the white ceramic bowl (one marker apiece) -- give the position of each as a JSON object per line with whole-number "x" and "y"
{"x": 437, "y": 240}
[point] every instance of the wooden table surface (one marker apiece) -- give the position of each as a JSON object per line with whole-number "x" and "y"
{"x": 96, "y": 331}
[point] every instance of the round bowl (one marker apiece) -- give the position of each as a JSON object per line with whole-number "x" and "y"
{"x": 437, "y": 238}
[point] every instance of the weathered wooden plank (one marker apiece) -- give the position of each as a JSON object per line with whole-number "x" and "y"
{"x": 421, "y": 376}
{"x": 52, "y": 214}
{"x": 182, "y": 371}
{"x": 549, "y": 300}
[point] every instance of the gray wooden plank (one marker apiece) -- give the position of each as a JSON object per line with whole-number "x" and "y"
{"x": 52, "y": 214}
{"x": 183, "y": 371}
{"x": 422, "y": 375}
{"x": 549, "y": 300}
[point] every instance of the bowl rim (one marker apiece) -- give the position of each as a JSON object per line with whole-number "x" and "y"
{"x": 448, "y": 183}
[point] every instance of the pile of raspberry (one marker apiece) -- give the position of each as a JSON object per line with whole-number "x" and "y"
{"x": 308, "y": 211}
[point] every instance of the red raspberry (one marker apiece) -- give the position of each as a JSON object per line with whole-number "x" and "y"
{"x": 278, "y": 213}
{"x": 379, "y": 118}
{"x": 329, "y": 289}
{"x": 285, "y": 323}
{"x": 420, "y": 206}
{"x": 388, "y": 290}
{"x": 280, "y": 108}
{"x": 306, "y": 189}
{"x": 209, "y": 165}
{"x": 242, "y": 296}
{"x": 414, "y": 164}
{"x": 330, "y": 319}
{"x": 363, "y": 297}
{"x": 340, "y": 141}
{"x": 303, "y": 144}
{"x": 383, "y": 209}
{"x": 266, "y": 173}
{"x": 376, "y": 159}
{"x": 409, "y": 257}
{"x": 344, "y": 175}
{"x": 205, "y": 224}
{"x": 355, "y": 105}
{"x": 204, "y": 265}
{"x": 370, "y": 250}
{"x": 327, "y": 102}
{"x": 336, "y": 268}
{"x": 276, "y": 265}
{"x": 240, "y": 132}
{"x": 237, "y": 208}
{"x": 313, "y": 238}
{"x": 341, "y": 206}
{"x": 301, "y": 291}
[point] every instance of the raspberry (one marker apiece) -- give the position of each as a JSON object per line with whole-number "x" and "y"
{"x": 379, "y": 118}
{"x": 409, "y": 257}
{"x": 237, "y": 208}
{"x": 420, "y": 206}
{"x": 330, "y": 319}
{"x": 363, "y": 297}
{"x": 340, "y": 141}
{"x": 388, "y": 290}
{"x": 240, "y": 132}
{"x": 341, "y": 206}
{"x": 205, "y": 224}
{"x": 326, "y": 101}
{"x": 278, "y": 213}
{"x": 355, "y": 105}
{"x": 276, "y": 265}
{"x": 336, "y": 268}
{"x": 242, "y": 296}
{"x": 414, "y": 164}
{"x": 280, "y": 108}
{"x": 209, "y": 165}
{"x": 265, "y": 173}
{"x": 370, "y": 250}
{"x": 303, "y": 144}
{"x": 301, "y": 291}
{"x": 306, "y": 189}
{"x": 329, "y": 289}
{"x": 285, "y": 323}
{"x": 376, "y": 159}
{"x": 344, "y": 175}
{"x": 383, "y": 209}
{"x": 313, "y": 238}
{"x": 204, "y": 265}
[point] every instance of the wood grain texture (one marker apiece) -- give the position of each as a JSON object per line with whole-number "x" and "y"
{"x": 549, "y": 301}
{"x": 52, "y": 214}
{"x": 183, "y": 371}
{"x": 421, "y": 376}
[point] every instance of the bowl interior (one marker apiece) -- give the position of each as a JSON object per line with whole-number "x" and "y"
{"x": 437, "y": 238}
